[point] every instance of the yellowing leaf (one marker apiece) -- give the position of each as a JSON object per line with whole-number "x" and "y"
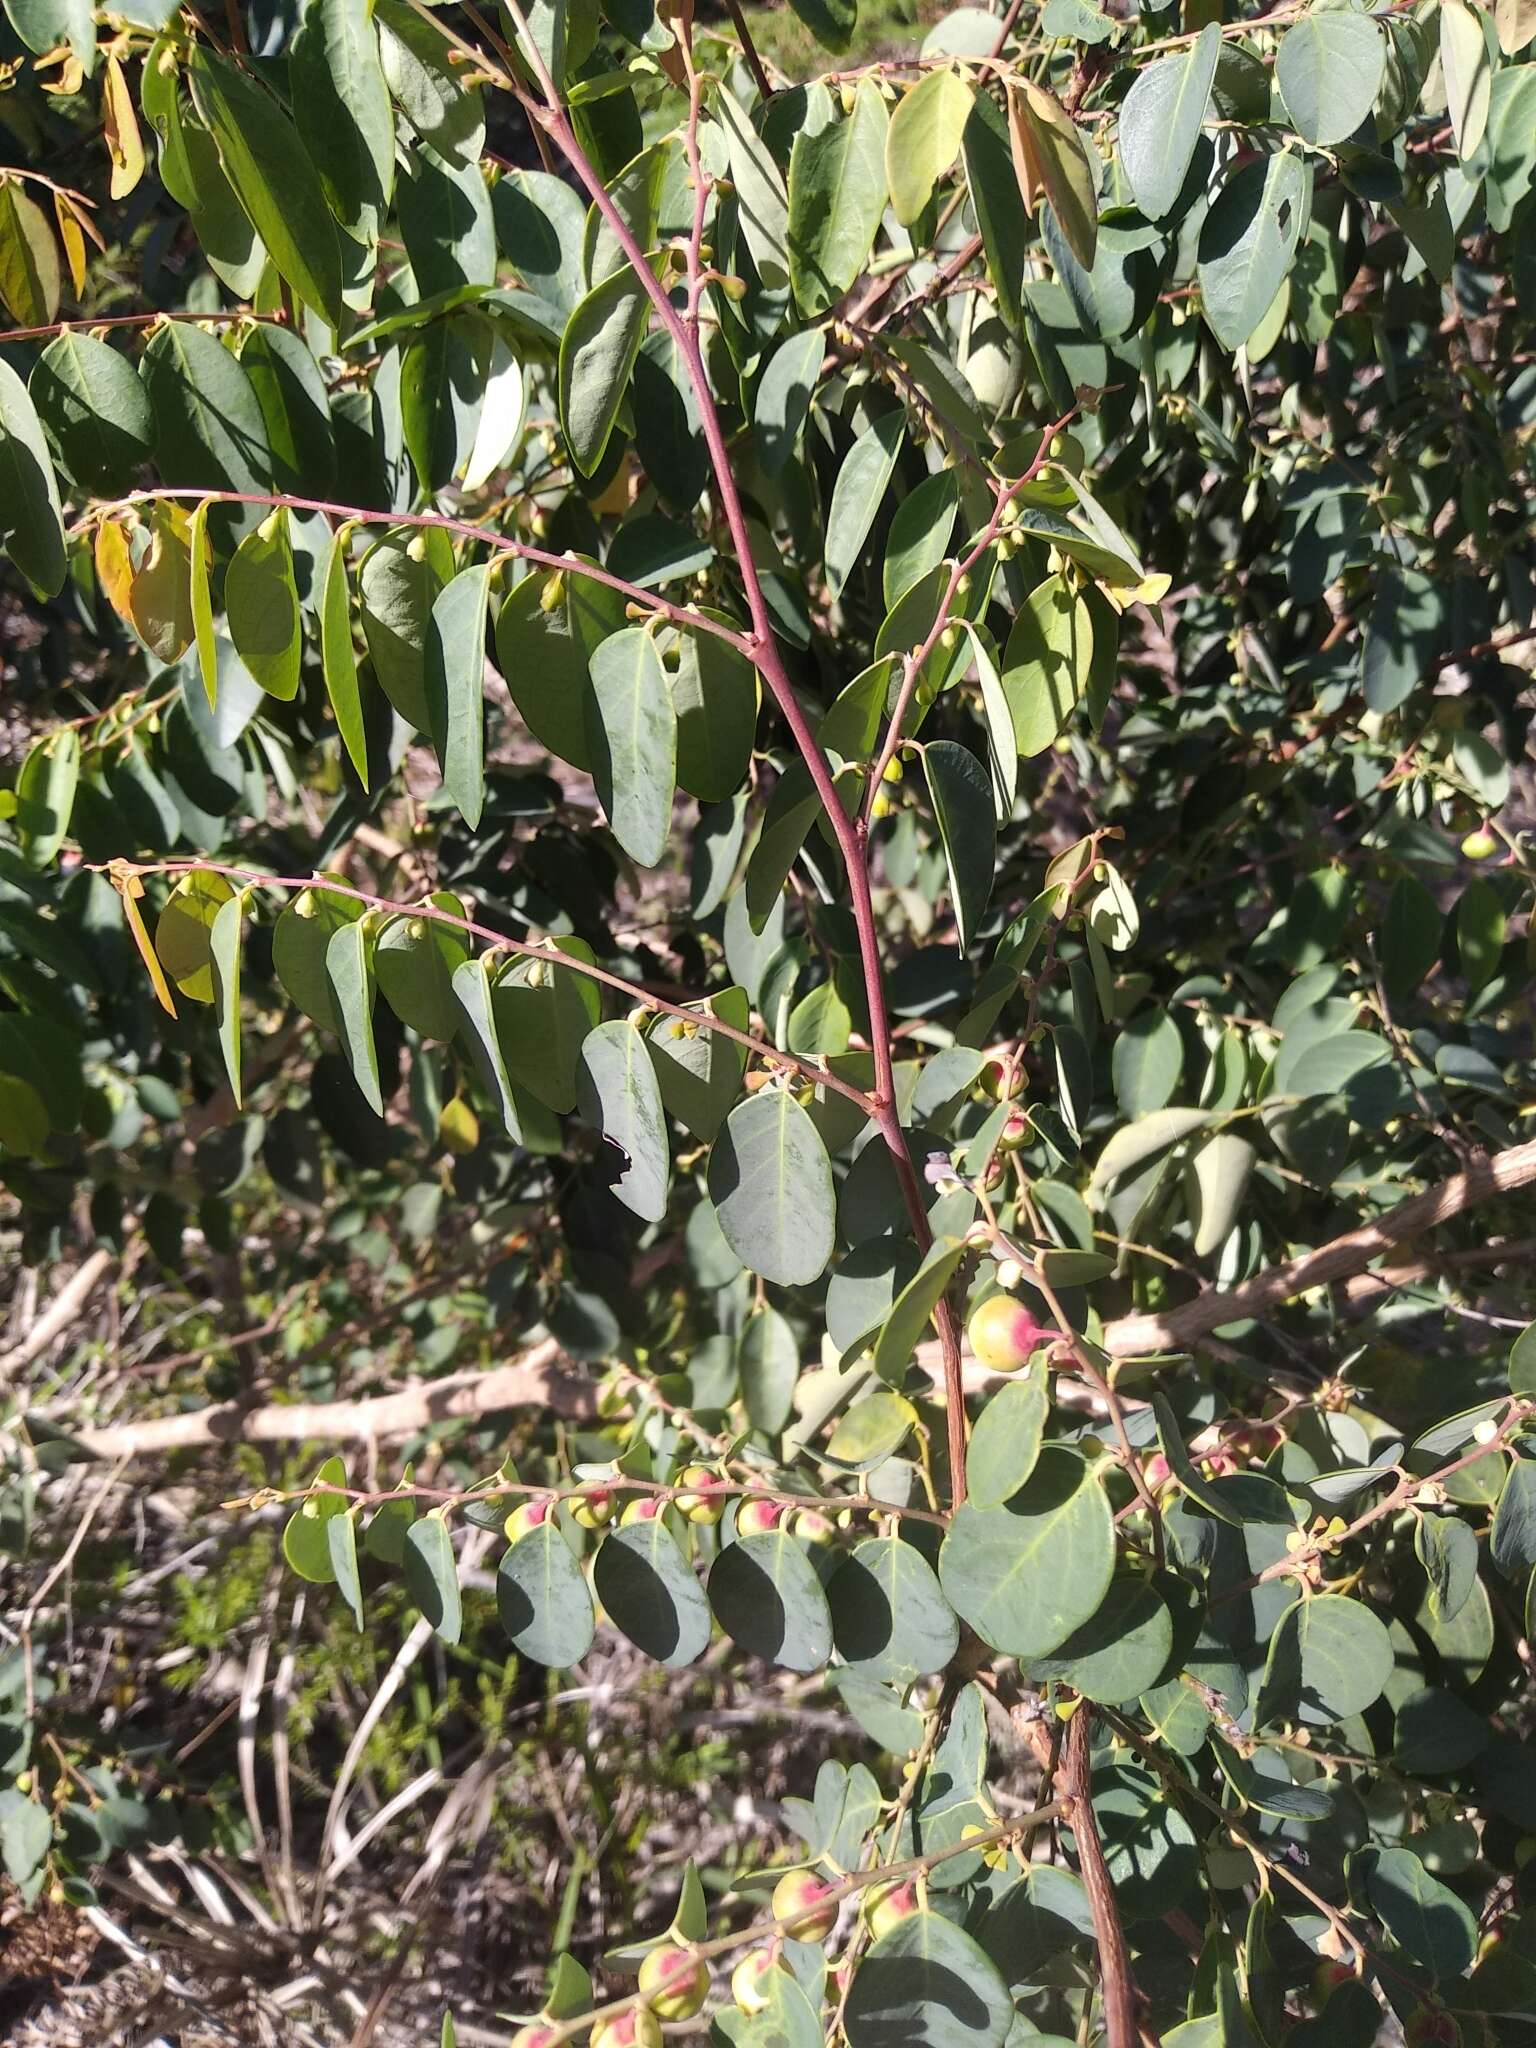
{"x": 72, "y": 241}
{"x": 1051, "y": 160}
{"x": 114, "y": 567}
{"x": 160, "y": 598}
{"x": 125, "y": 146}
{"x": 183, "y": 933}
{"x": 130, "y": 889}
{"x": 923, "y": 140}
{"x": 29, "y": 258}
{"x": 1468, "y": 75}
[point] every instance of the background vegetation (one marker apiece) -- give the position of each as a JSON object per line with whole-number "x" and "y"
{"x": 765, "y": 1037}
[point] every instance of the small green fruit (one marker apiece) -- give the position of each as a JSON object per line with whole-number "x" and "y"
{"x": 594, "y": 1508}
{"x": 798, "y": 1904}
{"x": 1004, "y": 1335}
{"x": 637, "y": 2028}
{"x": 673, "y": 1983}
{"x": 749, "y": 1980}
{"x": 758, "y": 1517}
{"x": 527, "y": 1515}
{"x": 704, "y": 1502}
{"x": 887, "y": 1905}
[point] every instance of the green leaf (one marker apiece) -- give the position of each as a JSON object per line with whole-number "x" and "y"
{"x": 349, "y": 973}
{"x": 1006, "y": 228}
{"x": 542, "y": 1598}
{"x": 93, "y": 411}
{"x": 597, "y": 359}
{"x": 1248, "y": 243}
{"x": 1329, "y": 69}
{"x": 926, "y": 1984}
{"x": 338, "y": 658}
{"x": 45, "y": 794}
{"x": 889, "y": 1618}
{"x": 1046, "y": 663}
{"x": 342, "y": 111}
{"x": 837, "y": 197}
{"x": 784, "y": 397}
{"x": 1522, "y": 1364}
{"x": 1006, "y": 1439}
{"x": 617, "y": 1093}
{"x": 442, "y": 378}
{"x": 1410, "y": 937}
{"x": 768, "y": 1365}
{"x": 224, "y": 964}
{"x": 546, "y": 634}
{"x": 306, "y": 1543}
{"x": 762, "y": 202}
{"x": 768, "y": 1599}
{"x": 1401, "y": 637}
{"x": 385, "y": 1537}
{"x": 201, "y": 604}
{"x": 503, "y": 404}
{"x": 209, "y": 428}
{"x": 1027, "y": 1573}
{"x": 1216, "y": 1179}
{"x": 700, "y": 1071}
{"x": 273, "y": 177}
{"x": 300, "y": 943}
{"x": 1329, "y": 1657}
{"x": 715, "y": 695}
{"x": 261, "y": 603}
{"x": 961, "y": 793}
{"x": 856, "y": 496}
{"x": 903, "y": 1328}
{"x": 1120, "y": 1652}
{"x": 1426, "y": 1919}
{"x": 26, "y": 1833}
{"x": 420, "y": 72}
{"x": 1146, "y": 1063}
{"x": 397, "y": 585}
{"x": 1161, "y": 118}
{"x": 1479, "y": 932}
{"x": 648, "y": 1590}
{"x": 1512, "y": 1545}
{"x": 544, "y": 1011}
{"x": 456, "y": 687}
{"x": 633, "y": 740}
{"x": 918, "y": 540}
{"x": 431, "y": 1575}
{"x": 29, "y": 257}
{"x": 43, "y": 24}
{"x": 473, "y": 991}
{"x": 414, "y": 963}
{"x": 874, "y": 1429}
{"x": 924, "y": 139}
{"x": 341, "y": 1541}
{"x": 31, "y": 524}
{"x": 1467, "y": 71}
{"x": 771, "y": 1183}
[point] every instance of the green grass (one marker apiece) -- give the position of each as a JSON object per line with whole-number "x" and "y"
{"x": 885, "y": 28}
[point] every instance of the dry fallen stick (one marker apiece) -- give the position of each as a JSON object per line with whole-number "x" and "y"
{"x": 543, "y": 1378}
{"x": 1177, "y": 1328}
{"x": 59, "y": 1314}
